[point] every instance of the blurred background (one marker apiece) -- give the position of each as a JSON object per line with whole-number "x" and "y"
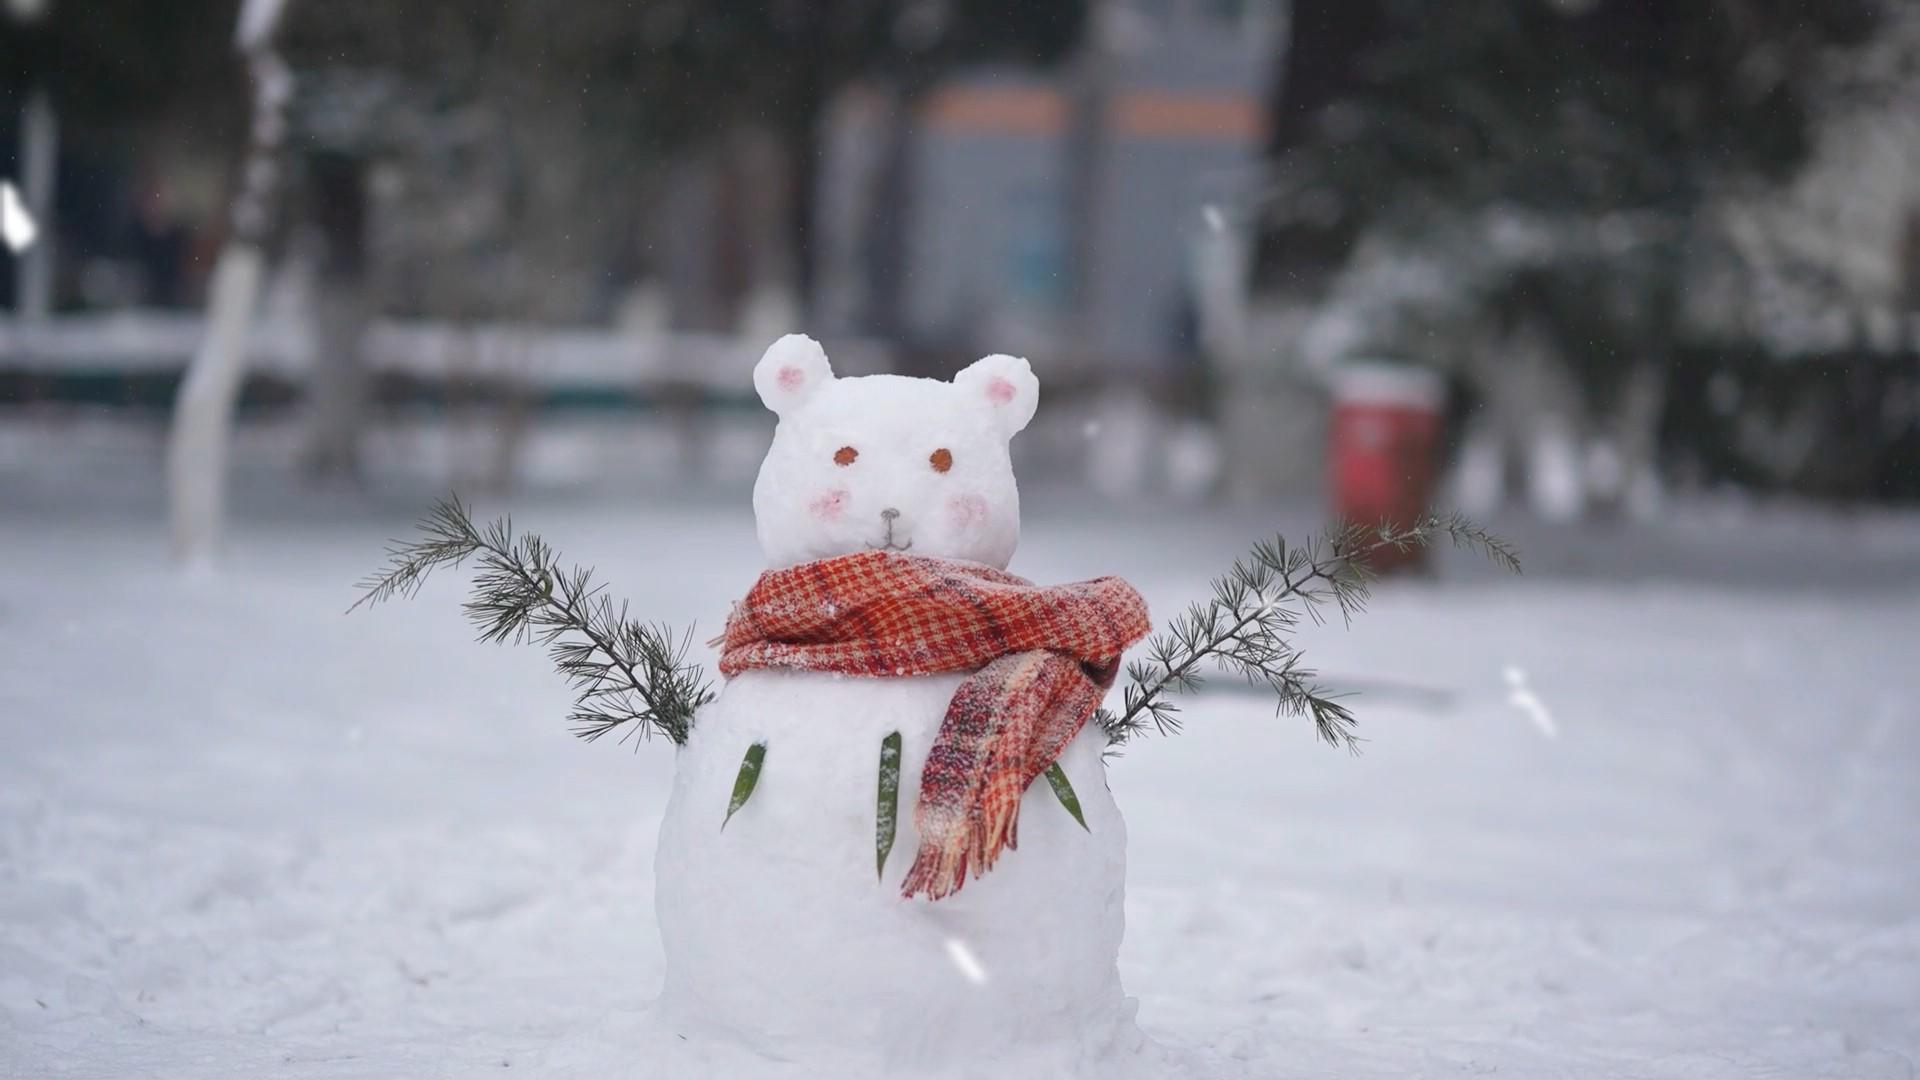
{"x": 1636, "y": 283}
{"x": 1620, "y": 252}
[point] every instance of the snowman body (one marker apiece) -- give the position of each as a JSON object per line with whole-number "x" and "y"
{"x": 780, "y": 930}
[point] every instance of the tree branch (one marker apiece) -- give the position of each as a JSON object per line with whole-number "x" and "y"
{"x": 1244, "y": 627}
{"x": 624, "y": 673}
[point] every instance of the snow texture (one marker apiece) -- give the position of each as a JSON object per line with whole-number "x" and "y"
{"x": 242, "y": 835}
{"x": 847, "y": 451}
{"x": 778, "y": 933}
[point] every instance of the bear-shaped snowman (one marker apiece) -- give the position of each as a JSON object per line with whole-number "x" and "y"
{"x": 780, "y": 926}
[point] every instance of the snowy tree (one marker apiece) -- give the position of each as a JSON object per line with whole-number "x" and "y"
{"x": 1550, "y": 161}
{"x": 619, "y": 85}
{"x": 203, "y": 409}
{"x": 489, "y": 120}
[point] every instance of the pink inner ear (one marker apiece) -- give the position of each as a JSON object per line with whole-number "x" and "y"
{"x": 999, "y": 391}
{"x": 791, "y": 377}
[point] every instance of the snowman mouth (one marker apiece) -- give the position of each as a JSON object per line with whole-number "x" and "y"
{"x": 889, "y": 545}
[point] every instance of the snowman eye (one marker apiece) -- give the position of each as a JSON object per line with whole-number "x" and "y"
{"x": 941, "y": 459}
{"x": 845, "y": 456}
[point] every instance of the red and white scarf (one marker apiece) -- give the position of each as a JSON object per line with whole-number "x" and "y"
{"x": 1042, "y": 658}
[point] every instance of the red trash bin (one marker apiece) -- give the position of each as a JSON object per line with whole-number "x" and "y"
{"x": 1384, "y": 449}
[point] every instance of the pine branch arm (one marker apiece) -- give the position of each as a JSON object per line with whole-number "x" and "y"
{"x": 624, "y": 673}
{"x": 1243, "y": 627}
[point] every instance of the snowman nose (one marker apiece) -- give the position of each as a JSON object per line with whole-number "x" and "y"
{"x": 889, "y": 514}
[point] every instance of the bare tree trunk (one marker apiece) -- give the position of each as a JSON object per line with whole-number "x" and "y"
{"x": 775, "y": 297}
{"x": 1532, "y": 413}
{"x": 512, "y": 418}
{"x": 888, "y": 238}
{"x": 337, "y": 385}
{"x": 203, "y": 409}
{"x": 39, "y": 153}
{"x": 1091, "y": 77}
{"x": 1633, "y": 428}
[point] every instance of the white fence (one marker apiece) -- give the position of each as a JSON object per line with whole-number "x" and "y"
{"x": 153, "y": 342}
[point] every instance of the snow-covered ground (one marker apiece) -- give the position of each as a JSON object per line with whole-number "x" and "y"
{"x": 1651, "y": 811}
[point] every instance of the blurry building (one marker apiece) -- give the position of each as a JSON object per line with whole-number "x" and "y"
{"x": 1051, "y": 212}
{"x": 1731, "y": 305}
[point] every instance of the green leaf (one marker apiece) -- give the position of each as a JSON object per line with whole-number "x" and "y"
{"x": 749, "y": 776}
{"x": 1057, "y": 780}
{"x": 887, "y": 813}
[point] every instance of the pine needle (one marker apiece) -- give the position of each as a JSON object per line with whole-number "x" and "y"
{"x": 1244, "y": 627}
{"x": 624, "y": 673}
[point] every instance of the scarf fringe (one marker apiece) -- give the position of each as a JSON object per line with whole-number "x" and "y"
{"x": 939, "y": 870}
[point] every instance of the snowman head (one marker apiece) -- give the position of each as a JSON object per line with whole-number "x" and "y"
{"x": 888, "y": 462}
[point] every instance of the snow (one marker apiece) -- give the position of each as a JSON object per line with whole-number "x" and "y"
{"x": 242, "y": 834}
{"x": 851, "y": 465}
{"x": 777, "y": 934}
{"x": 1402, "y": 386}
{"x": 1522, "y": 697}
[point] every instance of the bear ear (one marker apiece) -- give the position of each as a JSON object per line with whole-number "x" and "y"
{"x": 792, "y": 371}
{"x": 1008, "y": 385}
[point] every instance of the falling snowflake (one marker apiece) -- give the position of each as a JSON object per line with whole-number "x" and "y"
{"x": 967, "y": 963}
{"x": 17, "y": 228}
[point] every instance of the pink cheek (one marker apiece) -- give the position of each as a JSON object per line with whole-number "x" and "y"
{"x": 829, "y": 505}
{"x": 967, "y": 511}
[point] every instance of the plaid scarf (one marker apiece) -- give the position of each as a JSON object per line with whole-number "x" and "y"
{"x": 1042, "y": 657}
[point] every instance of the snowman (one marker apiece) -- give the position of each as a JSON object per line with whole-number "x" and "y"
{"x": 973, "y": 913}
